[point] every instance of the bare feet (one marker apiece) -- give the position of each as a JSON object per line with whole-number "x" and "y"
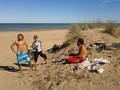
{"x": 20, "y": 75}
{"x": 45, "y": 62}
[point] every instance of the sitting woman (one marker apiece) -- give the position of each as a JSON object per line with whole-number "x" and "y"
{"x": 81, "y": 55}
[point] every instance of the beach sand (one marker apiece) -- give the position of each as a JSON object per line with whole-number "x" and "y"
{"x": 9, "y": 79}
{"x": 55, "y": 75}
{"x": 58, "y": 76}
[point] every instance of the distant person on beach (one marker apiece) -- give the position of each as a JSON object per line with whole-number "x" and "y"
{"x": 81, "y": 56}
{"x": 37, "y": 50}
{"x": 21, "y": 51}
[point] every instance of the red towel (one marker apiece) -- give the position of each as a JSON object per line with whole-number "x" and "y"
{"x": 75, "y": 59}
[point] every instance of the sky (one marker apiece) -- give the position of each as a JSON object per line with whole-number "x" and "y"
{"x": 58, "y": 11}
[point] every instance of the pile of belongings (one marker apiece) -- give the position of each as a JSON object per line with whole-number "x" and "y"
{"x": 116, "y": 45}
{"x": 31, "y": 54}
{"x": 98, "y": 46}
{"x": 94, "y": 65}
{"x": 56, "y": 47}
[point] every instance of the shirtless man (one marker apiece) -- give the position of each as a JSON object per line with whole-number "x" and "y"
{"x": 81, "y": 56}
{"x": 22, "y": 47}
{"x": 82, "y": 49}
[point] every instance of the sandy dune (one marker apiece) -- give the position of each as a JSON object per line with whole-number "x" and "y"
{"x": 8, "y": 79}
{"x": 58, "y": 76}
{"x": 55, "y": 75}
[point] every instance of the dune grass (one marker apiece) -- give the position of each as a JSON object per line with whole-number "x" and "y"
{"x": 112, "y": 28}
{"x": 117, "y": 33}
{"x": 73, "y": 34}
{"x": 75, "y": 29}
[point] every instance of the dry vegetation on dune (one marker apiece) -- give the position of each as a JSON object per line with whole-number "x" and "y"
{"x": 73, "y": 34}
{"x": 75, "y": 30}
{"x": 118, "y": 32}
{"x": 112, "y": 28}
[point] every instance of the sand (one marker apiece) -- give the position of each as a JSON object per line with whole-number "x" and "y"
{"x": 10, "y": 80}
{"x": 55, "y": 75}
{"x": 58, "y": 76}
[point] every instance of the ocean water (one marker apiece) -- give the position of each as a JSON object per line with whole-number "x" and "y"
{"x": 32, "y": 26}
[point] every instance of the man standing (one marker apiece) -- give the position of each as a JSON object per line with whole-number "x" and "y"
{"x": 21, "y": 51}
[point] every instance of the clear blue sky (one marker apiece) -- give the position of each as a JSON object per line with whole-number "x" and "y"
{"x": 51, "y": 11}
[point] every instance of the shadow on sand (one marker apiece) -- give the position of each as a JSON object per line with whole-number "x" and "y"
{"x": 24, "y": 65}
{"x": 9, "y": 68}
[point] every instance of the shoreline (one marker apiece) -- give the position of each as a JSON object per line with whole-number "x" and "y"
{"x": 34, "y": 30}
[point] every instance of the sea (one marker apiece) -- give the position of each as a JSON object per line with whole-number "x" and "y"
{"x": 32, "y": 26}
